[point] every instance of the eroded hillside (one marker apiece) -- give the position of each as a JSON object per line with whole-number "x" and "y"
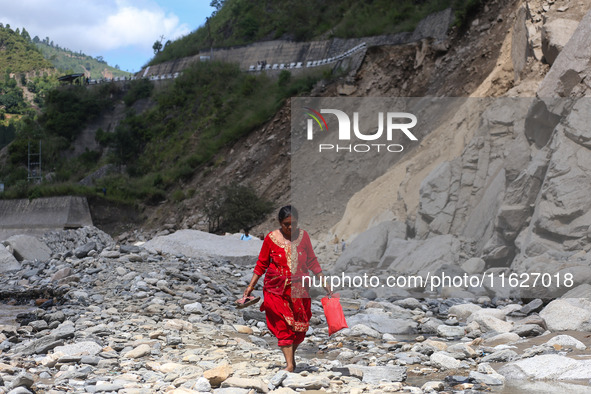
{"x": 424, "y": 68}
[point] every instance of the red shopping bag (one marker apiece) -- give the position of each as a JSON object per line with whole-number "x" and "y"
{"x": 334, "y": 314}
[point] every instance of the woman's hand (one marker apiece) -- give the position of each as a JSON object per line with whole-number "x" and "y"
{"x": 326, "y": 282}
{"x": 248, "y": 290}
{"x": 251, "y": 285}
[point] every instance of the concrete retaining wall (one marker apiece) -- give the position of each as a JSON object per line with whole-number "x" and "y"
{"x": 38, "y": 216}
{"x": 287, "y": 52}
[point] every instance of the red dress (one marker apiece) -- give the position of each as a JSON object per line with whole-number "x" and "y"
{"x": 286, "y": 300}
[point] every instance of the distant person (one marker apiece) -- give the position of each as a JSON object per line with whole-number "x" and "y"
{"x": 342, "y": 245}
{"x": 246, "y": 236}
{"x": 335, "y": 241}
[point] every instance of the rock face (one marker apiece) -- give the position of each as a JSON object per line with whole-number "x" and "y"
{"x": 513, "y": 197}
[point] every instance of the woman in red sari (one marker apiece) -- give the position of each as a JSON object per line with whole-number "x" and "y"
{"x": 287, "y": 257}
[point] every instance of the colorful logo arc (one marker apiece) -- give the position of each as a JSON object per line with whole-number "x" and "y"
{"x": 315, "y": 116}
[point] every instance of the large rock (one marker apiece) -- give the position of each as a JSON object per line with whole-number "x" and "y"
{"x": 581, "y": 291}
{"x": 566, "y": 341}
{"x": 568, "y": 314}
{"x": 520, "y": 43}
{"x": 555, "y": 35}
{"x": 194, "y": 243}
{"x": 378, "y": 374}
{"x": 549, "y": 367}
{"x": 435, "y": 190}
{"x": 138, "y": 352}
{"x": 369, "y": 246}
{"x": 218, "y": 374}
{"x": 576, "y": 124}
{"x": 463, "y": 311}
{"x": 383, "y": 322}
{"x": 564, "y": 211}
{"x": 87, "y": 348}
{"x": 246, "y": 383}
{"x": 571, "y": 66}
{"x": 474, "y": 265}
{"x": 83, "y": 250}
{"x": 312, "y": 382}
{"x": 26, "y": 247}
{"x": 443, "y": 360}
{"x": 489, "y": 323}
{"x": 39, "y": 346}
{"x": 413, "y": 256}
{"x": 7, "y": 261}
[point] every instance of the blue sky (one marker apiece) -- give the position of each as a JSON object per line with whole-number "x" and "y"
{"x": 121, "y": 31}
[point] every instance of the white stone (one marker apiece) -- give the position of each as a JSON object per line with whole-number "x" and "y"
{"x": 566, "y": 341}
{"x": 443, "y": 361}
{"x": 548, "y": 366}
{"x": 568, "y": 314}
{"x": 195, "y": 307}
{"x": 86, "y": 348}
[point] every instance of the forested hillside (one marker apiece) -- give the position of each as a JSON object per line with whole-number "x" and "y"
{"x": 67, "y": 61}
{"x": 239, "y": 22}
{"x": 29, "y": 71}
{"x": 18, "y": 52}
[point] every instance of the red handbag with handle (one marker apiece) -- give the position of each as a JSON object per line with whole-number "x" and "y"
{"x": 334, "y": 313}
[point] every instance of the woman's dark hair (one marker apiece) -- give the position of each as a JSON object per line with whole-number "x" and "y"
{"x": 286, "y": 211}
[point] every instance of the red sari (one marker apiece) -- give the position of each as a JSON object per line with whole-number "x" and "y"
{"x": 287, "y": 304}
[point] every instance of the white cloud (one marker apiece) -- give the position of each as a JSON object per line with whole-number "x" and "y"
{"x": 94, "y": 26}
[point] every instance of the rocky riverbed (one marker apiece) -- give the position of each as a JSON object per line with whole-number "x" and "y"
{"x": 113, "y": 317}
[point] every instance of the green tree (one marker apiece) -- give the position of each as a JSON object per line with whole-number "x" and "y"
{"x": 236, "y": 207}
{"x": 157, "y": 47}
{"x": 25, "y": 35}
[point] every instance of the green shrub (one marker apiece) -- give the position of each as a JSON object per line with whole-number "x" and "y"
{"x": 70, "y": 108}
{"x": 235, "y": 208}
{"x": 138, "y": 89}
{"x": 284, "y": 78}
{"x": 178, "y": 196}
{"x": 154, "y": 197}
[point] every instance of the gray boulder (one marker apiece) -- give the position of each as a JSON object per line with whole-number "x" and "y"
{"x": 571, "y": 65}
{"x": 82, "y": 251}
{"x": 555, "y": 35}
{"x": 26, "y": 247}
{"x": 566, "y": 341}
{"x": 194, "y": 243}
{"x": 7, "y": 261}
{"x": 520, "y": 49}
{"x": 376, "y": 374}
{"x": 548, "y": 367}
{"x": 369, "y": 246}
{"x": 568, "y": 314}
{"x": 383, "y": 322}
{"x": 413, "y": 256}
